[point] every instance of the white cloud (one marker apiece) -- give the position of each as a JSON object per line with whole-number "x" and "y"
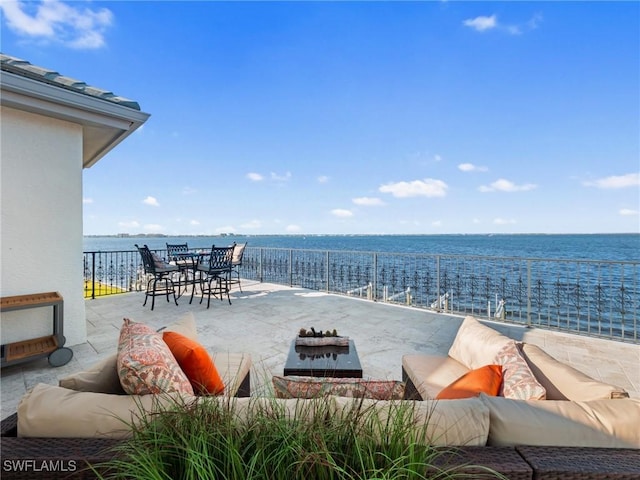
{"x": 281, "y": 178}
{"x": 503, "y": 221}
{"x": 255, "y": 177}
{"x": 342, "y": 213}
{"x": 153, "y": 228}
{"x": 323, "y": 179}
{"x": 194, "y": 223}
{"x": 436, "y": 223}
{"x": 470, "y": 167}
{"x": 535, "y": 21}
{"x": 293, "y": 228}
{"x": 152, "y": 201}
{"x": 368, "y": 201}
{"x": 513, "y": 29}
{"x": 482, "y": 23}
{"x": 628, "y": 212}
{"x": 189, "y": 191}
{"x": 615, "y": 181}
{"x": 503, "y": 185}
{"x": 424, "y": 157}
{"x": 428, "y": 187}
{"x": 253, "y": 224}
{"x": 87, "y": 200}
{"x": 131, "y": 224}
{"x": 53, "y": 20}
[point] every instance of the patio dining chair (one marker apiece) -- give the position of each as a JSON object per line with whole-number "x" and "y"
{"x": 184, "y": 264}
{"x": 215, "y": 274}
{"x": 160, "y": 273}
{"x": 236, "y": 263}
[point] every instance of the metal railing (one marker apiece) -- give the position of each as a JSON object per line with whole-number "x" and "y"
{"x": 598, "y": 298}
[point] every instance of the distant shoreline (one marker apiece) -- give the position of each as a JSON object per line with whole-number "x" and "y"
{"x": 162, "y": 235}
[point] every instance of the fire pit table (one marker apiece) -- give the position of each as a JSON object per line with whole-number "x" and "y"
{"x": 323, "y": 361}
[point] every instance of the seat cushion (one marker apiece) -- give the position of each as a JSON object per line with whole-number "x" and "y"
{"x": 438, "y": 423}
{"x": 431, "y": 373}
{"x": 52, "y": 411}
{"x": 476, "y": 345}
{"x": 485, "y": 379}
{"x": 233, "y": 369}
{"x": 145, "y": 363}
{"x": 599, "y": 423}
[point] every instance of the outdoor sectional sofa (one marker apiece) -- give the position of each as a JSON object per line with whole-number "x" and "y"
{"x": 593, "y": 432}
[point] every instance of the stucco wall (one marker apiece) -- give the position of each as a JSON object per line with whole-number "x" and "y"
{"x": 41, "y": 228}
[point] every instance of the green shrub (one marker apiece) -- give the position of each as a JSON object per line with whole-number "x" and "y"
{"x": 263, "y": 438}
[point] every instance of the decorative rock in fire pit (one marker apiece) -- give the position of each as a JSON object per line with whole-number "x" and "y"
{"x": 311, "y": 338}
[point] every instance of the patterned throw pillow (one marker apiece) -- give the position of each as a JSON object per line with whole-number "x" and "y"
{"x": 313, "y": 387}
{"x": 145, "y": 363}
{"x": 518, "y": 382}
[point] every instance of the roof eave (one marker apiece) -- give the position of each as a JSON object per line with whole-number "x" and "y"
{"x": 116, "y": 122}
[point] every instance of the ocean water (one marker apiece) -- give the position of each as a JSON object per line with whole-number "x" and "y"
{"x": 601, "y": 247}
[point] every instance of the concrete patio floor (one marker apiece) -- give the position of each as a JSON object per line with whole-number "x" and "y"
{"x": 264, "y": 318}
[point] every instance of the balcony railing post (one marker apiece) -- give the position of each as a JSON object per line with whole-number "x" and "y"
{"x": 326, "y": 270}
{"x": 290, "y": 267}
{"x": 528, "y": 293}
{"x": 260, "y": 272}
{"x": 374, "y": 295}
{"x": 93, "y": 275}
{"x": 438, "y": 279}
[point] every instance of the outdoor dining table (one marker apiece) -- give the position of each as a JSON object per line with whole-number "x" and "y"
{"x": 188, "y": 264}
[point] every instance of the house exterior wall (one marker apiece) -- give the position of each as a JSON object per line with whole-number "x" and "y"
{"x": 41, "y": 208}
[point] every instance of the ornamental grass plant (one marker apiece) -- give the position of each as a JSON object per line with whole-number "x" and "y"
{"x": 265, "y": 438}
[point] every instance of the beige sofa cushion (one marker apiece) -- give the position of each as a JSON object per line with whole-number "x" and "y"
{"x": 289, "y": 409}
{"x": 600, "y": 423}
{"x": 101, "y": 377}
{"x": 431, "y": 373}
{"x": 436, "y": 422}
{"x": 476, "y": 345}
{"x": 52, "y": 411}
{"x": 233, "y": 368}
{"x": 563, "y": 382}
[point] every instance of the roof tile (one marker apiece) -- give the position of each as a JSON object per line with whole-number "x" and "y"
{"x": 22, "y": 67}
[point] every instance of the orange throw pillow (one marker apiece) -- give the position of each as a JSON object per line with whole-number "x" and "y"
{"x": 485, "y": 379}
{"x": 196, "y": 363}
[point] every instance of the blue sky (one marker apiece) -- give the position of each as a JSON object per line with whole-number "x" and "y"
{"x": 355, "y": 117}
